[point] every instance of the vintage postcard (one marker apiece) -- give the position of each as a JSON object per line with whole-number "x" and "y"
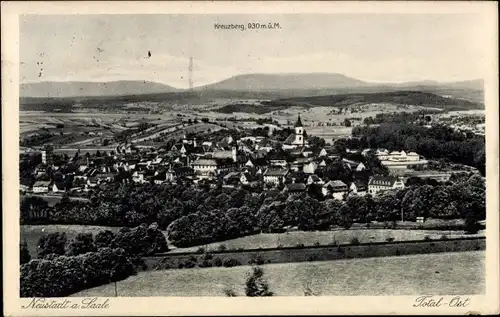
{"x": 250, "y": 158}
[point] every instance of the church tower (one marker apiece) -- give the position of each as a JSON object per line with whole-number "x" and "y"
{"x": 299, "y": 132}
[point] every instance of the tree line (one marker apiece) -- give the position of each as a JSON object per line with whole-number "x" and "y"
{"x": 194, "y": 216}
{"x": 437, "y": 142}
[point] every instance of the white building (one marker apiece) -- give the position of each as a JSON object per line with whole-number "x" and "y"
{"x": 275, "y": 175}
{"x": 336, "y": 189}
{"x": 41, "y": 187}
{"x": 379, "y": 184}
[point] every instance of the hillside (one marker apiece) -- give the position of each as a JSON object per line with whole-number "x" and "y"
{"x": 292, "y": 81}
{"x": 417, "y": 98}
{"x": 73, "y": 89}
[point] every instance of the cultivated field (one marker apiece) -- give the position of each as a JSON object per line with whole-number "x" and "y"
{"x": 430, "y": 274}
{"x": 309, "y": 238}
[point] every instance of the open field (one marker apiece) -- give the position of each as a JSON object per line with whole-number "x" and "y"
{"x": 308, "y": 238}
{"x": 430, "y": 274}
{"x": 32, "y": 233}
{"x": 263, "y": 240}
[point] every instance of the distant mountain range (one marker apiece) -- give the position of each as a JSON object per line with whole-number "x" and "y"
{"x": 273, "y": 82}
{"x": 275, "y": 85}
{"x": 91, "y": 89}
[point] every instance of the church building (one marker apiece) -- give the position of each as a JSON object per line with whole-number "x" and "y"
{"x": 298, "y": 138}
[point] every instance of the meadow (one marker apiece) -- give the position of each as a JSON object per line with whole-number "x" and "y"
{"x": 309, "y": 238}
{"x": 32, "y": 233}
{"x": 429, "y": 274}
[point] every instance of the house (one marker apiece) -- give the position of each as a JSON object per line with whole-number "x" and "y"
{"x": 58, "y": 187}
{"x": 274, "y": 175}
{"x": 412, "y": 157}
{"x": 358, "y": 188}
{"x": 336, "y": 189}
{"x": 247, "y": 178}
{"x": 361, "y": 167}
{"x": 231, "y": 179}
{"x": 383, "y": 183}
{"x": 209, "y": 167}
{"x": 41, "y": 187}
{"x": 295, "y": 188}
{"x": 314, "y": 179}
{"x": 310, "y": 168}
{"x": 92, "y": 182}
{"x": 382, "y": 154}
{"x": 160, "y": 178}
{"x": 323, "y": 153}
{"x": 249, "y": 163}
{"x": 105, "y": 177}
{"x": 138, "y": 177}
{"x": 232, "y": 154}
{"x": 278, "y": 162}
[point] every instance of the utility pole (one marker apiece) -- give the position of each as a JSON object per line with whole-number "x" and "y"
{"x": 191, "y": 73}
{"x": 116, "y": 292}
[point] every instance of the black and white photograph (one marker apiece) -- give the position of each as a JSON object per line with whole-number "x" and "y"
{"x": 252, "y": 155}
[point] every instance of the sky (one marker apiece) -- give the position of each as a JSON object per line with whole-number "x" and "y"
{"x": 370, "y": 47}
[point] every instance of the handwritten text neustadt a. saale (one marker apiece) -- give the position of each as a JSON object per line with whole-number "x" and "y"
{"x": 86, "y": 303}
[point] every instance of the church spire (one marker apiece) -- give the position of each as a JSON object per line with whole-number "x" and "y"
{"x": 299, "y": 122}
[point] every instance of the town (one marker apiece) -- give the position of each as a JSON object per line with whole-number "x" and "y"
{"x": 253, "y": 161}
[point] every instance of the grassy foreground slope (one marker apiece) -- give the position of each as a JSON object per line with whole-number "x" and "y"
{"x": 432, "y": 274}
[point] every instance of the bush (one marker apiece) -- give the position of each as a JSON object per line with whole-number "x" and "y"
{"x": 64, "y": 275}
{"x": 231, "y": 262}
{"x": 389, "y": 239}
{"x": 354, "y": 241}
{"x": 299, "y": 245}
{"x": 206, "y": 263}
{"x": 256, "y": 285}
{"x": 444, "y": 237}
{"x": 471, "y": 226}
{"x": 222, "y": 247}
{"x": 427, "y": 238}
{"x": 81, "y": 244}
{"x": 317, "y": 244}
{"x": 52, "y": 243}
{"x": 279, "y": 246}
{"x": 218, "y": 262}
{"x": 141, "y": 240}
{"x": 193, "y": 258}
{"x": 207, "y": 256}
{"x": 258, "y": 260}
{"x": 103, "y": 239}
{"x": 200, "y": 250}
{"x": 24, "y": 254}
{"x": 311, "y": 258}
